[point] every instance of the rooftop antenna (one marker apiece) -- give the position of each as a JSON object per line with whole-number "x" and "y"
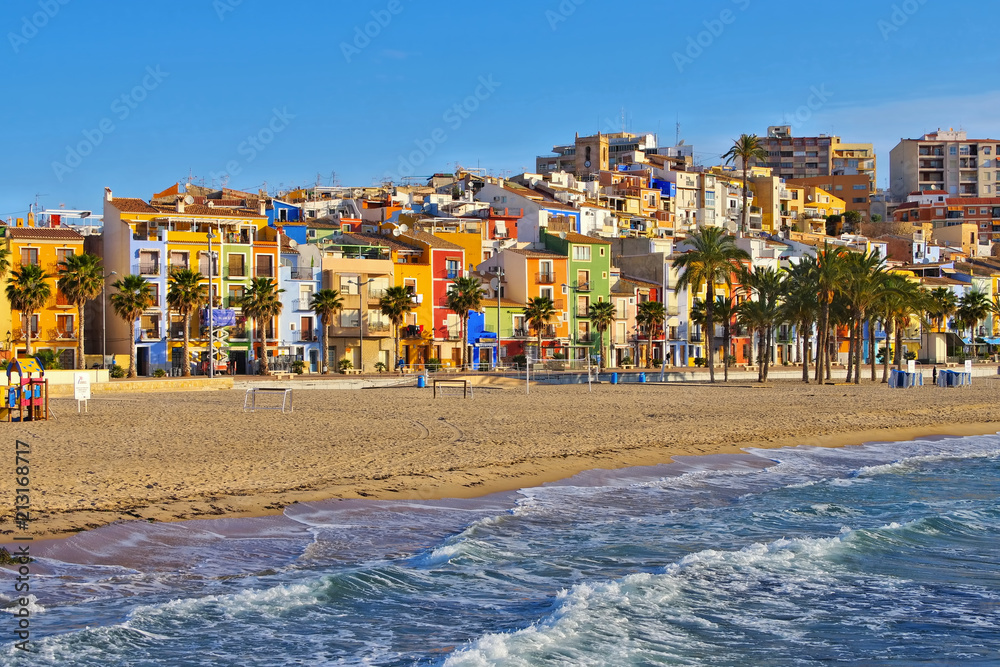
{"x": 677, "y": 138}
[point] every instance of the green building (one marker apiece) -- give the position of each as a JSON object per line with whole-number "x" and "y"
{"x": 589, "y": 269}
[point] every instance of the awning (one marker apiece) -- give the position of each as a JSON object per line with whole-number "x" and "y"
{"x": 501, "y": 228}
{"x": 992, "y": 341}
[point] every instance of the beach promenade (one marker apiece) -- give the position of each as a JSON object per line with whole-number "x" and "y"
{"x": 182, "y": 455}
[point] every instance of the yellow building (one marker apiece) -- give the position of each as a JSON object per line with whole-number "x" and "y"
{"x": 55, "y": 326}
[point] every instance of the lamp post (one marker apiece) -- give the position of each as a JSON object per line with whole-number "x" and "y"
{"x": 211, "y": 310}
{"x": 361, "y": 322}
{"x": 104, "y": 314}
{"x": 500, "y": 276}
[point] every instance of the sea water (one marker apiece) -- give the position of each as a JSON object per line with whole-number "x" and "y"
{"x": 886, "y": 553}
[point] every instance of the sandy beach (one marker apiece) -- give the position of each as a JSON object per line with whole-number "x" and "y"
{"x": 175, "y": 456}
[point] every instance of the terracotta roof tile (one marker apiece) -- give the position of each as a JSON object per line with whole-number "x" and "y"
{"x": 544, "y": 254}
{"x": 132, "y": 205}
{"x": 431, "y": 240}
{"x": 574, "y": 237}
{"x": 383, "y": 241}
{"x": 43, "y": 234}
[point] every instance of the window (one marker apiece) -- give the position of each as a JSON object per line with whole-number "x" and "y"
{"x": 839, "y": 187}
{"x": 237, "y": 268}
{"x": 581, "y": 253}
{"x": 282, "y": 215}
{"x": 305, "y": 296}
{"x": 547, "y": 293}
{"x": 62, "y": 254}
{"x": 348, "y": 285}
{"x": 859, "y": 200}
{"x": 952, "y": 150}
{"x": 984, "y": 211}
{"x": 410, "y": 284}
{"x": 452, "y": 267}
{"x": 860, "y": 186}
{"x": 179, "y": 260}
{"x": 64, "y": 327}
{"x": 306, "y": 332}
{"x": 377, "y": 288}
{"x": 29, "y": 256}
{"x": 235, "y": 295}
{"x": 583, "y": 280}
{"x": 265, "y": 265}
{"x": 154, "y": 290}
{"x": 149, "y": 263}
{"x": 517, "y": 321}
{"x": 350, "y": 318}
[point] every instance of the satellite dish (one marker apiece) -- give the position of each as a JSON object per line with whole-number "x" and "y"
{"x": 403, "y": 229}
{"x": 495, "y": 284}
{"x": 189, "y": 200}
{"x": 562, "y": 235}
{"x": 396, "y": 232}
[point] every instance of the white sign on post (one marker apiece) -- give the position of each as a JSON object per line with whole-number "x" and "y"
{"x": 81, "y": 388}
{"x": 968, "y": 366}
{"x": 911, "y": 366}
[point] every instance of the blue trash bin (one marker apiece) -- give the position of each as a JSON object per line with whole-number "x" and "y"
{"x": 614, "y": 378}
{"x": 642, "y": 377}
{"x": 421, "y": 382}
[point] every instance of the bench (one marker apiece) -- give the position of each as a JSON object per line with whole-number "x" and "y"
{"x": 352, "y": 371}
{"x": 250, "y": 399}
{"x": 464, "y": 384}
{"x": 281, "y": 375}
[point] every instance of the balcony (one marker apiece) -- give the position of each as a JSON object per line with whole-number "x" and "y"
{"x": 146, "y": 269}
{"x": 411, "y": 331}
{"x": 305, "y": 337}
{"x": 177, "y": 330}
{"x": 522, "y": 333}
{"x": 62, "y": 301}
{"x": 379, "y": 327}
{"x": 583, "y": 312}
{"x": 233, "y": 302}
{"x": 545, "y": 278}
{"x": 235, "y": 271}
{"x": 584, "y": 287}
{"x": 586, "y": 338}
{"x": 307, "y": 273}
{"x": 242, "y": 237}
{"x": 263, "y": 271}
{"x": 149, "y": 334}
{"x": 301, "y": 304}
{"x": 62, "y": 334}
{"x": 375, "y": 295}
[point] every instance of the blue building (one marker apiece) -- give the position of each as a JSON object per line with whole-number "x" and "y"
{"x": 289, "y": 218}
{"x": 298, "y": 326}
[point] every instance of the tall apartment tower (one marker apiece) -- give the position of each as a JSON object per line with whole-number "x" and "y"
{"x": 945, "y": 160}
{"x": 806, "y": 157}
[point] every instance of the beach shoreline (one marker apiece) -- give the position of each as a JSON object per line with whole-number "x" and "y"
{"x": 187, "y": 455}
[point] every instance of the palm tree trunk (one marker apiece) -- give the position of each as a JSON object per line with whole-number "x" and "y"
{"x": 263, "y": 351}
{"x": 710, "y": 326}
{"x": 850, "y": 352}
{"x": 726, "y": 336}
{"x": 806, "y": 327}
{"x": 27, "y": 333}
{"x": 898, "y": 360}
{"x": 760, "y": 354}
{"x": 831, "y": 350}
{"x": 80, "y": 363}
{"x": 131, "y": 352}
{"x": 768, "y": 345}
{"x": 186, "y": 368}
{"x": 395, "y": 349}
{"x": 744, "y": 223}
{"x": 885, "y": 355}
{"x": 324, "y": 341}
{"x": 465, "y": 342}
{"x": 820, "y": 341}
{"x": 871, "y": 345}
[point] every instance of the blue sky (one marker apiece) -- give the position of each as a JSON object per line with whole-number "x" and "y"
{"x": 137, "y": 95}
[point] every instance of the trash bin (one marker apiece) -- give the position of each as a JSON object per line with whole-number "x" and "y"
{"x": 642, "y": 377}
{"x": 614, "y": 378}
{"x": 421, "y": 382}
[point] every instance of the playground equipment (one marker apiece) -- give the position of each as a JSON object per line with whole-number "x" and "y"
{"x": 30, "y": 395}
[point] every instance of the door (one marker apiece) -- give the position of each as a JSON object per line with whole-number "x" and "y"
{"x": 142, "y": 361}
{"x": 239, "y": 358}
{"x": 313, "y": 361}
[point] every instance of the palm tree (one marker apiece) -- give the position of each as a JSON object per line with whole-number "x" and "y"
{"x": 972, "y": 308}
{"x": 714, "y": 259}
{"x": 81, "y": 278}
{"x": 723, "y": 310}
{"x": 4, "y": 261}
{"x": 801, "y": 305}
{"x": 602, "y": 315}
{"x": 943, "y": 304}
{"x": 748, "y": 148}
{"x": 538, "y": 311}
{"x": 326, "y": 303}
{"x": 134, "y": 296}
{"x": 766, "y": 285}
{"x": 650, "y": 316}
{"x": 466, "y": 295}
{"x": 27, "y": 291}
{"x": 262, "y": 302}
{"x": 829, "y": 273}
{"x": 395, "y": 303}
{"x": 863, "y": 277}
{"x": 186, "y": 294}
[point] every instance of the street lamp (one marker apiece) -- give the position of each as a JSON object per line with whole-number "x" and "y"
{"x": 211, "y": 309}
{"x": 361, "y": 322}
{"x": 104, "y": 314}
{"x": 499, "y": 280}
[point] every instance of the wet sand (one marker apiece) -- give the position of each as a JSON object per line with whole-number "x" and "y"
{"x": 176, "y": 456}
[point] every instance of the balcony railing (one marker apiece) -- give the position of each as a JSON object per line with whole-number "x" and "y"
{"x": 307, "y": 273}
{"x": 306, "y": 336}
{"x": 379, "y": 327}
{"x": 583, "y": 312}
{"x": 177, "y": 330}
{"x": 149, "y": 334}
{"x": 411, "y": 331}
{"x": 61, "y": 300}
{"x": 521, "y": 333}
{"x": 545, "y": 278}
{"x": 146, "y": 269}
{"x": 63, "y": 334}
{"x": 301, "y": 304}
{"x": 376, "y": 295}
{"x": 586, "y": 338}
{"x": 263, "y": 271}
{"x": 235, "y": 271}
{"x": 584, "y": 287}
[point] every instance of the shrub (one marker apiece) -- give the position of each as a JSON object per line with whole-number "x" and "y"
{"x": 519, "y": 359}
{"x": 159, "y": 373}
{"x": 909, "y": 355}
{"x": 433, "y": 364}
{"x": 299, "y": 366}
{"x": 345, "y": 365}
{"x": 731, "y": 360}
{"x": 627, "y": 361}
{"x": 559, "y": 355}
{"x": 117, "y": 371}
{"x": 50, "y": 361}
{"x": 699, "y": 361}
{"x": 380, "y": 367}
